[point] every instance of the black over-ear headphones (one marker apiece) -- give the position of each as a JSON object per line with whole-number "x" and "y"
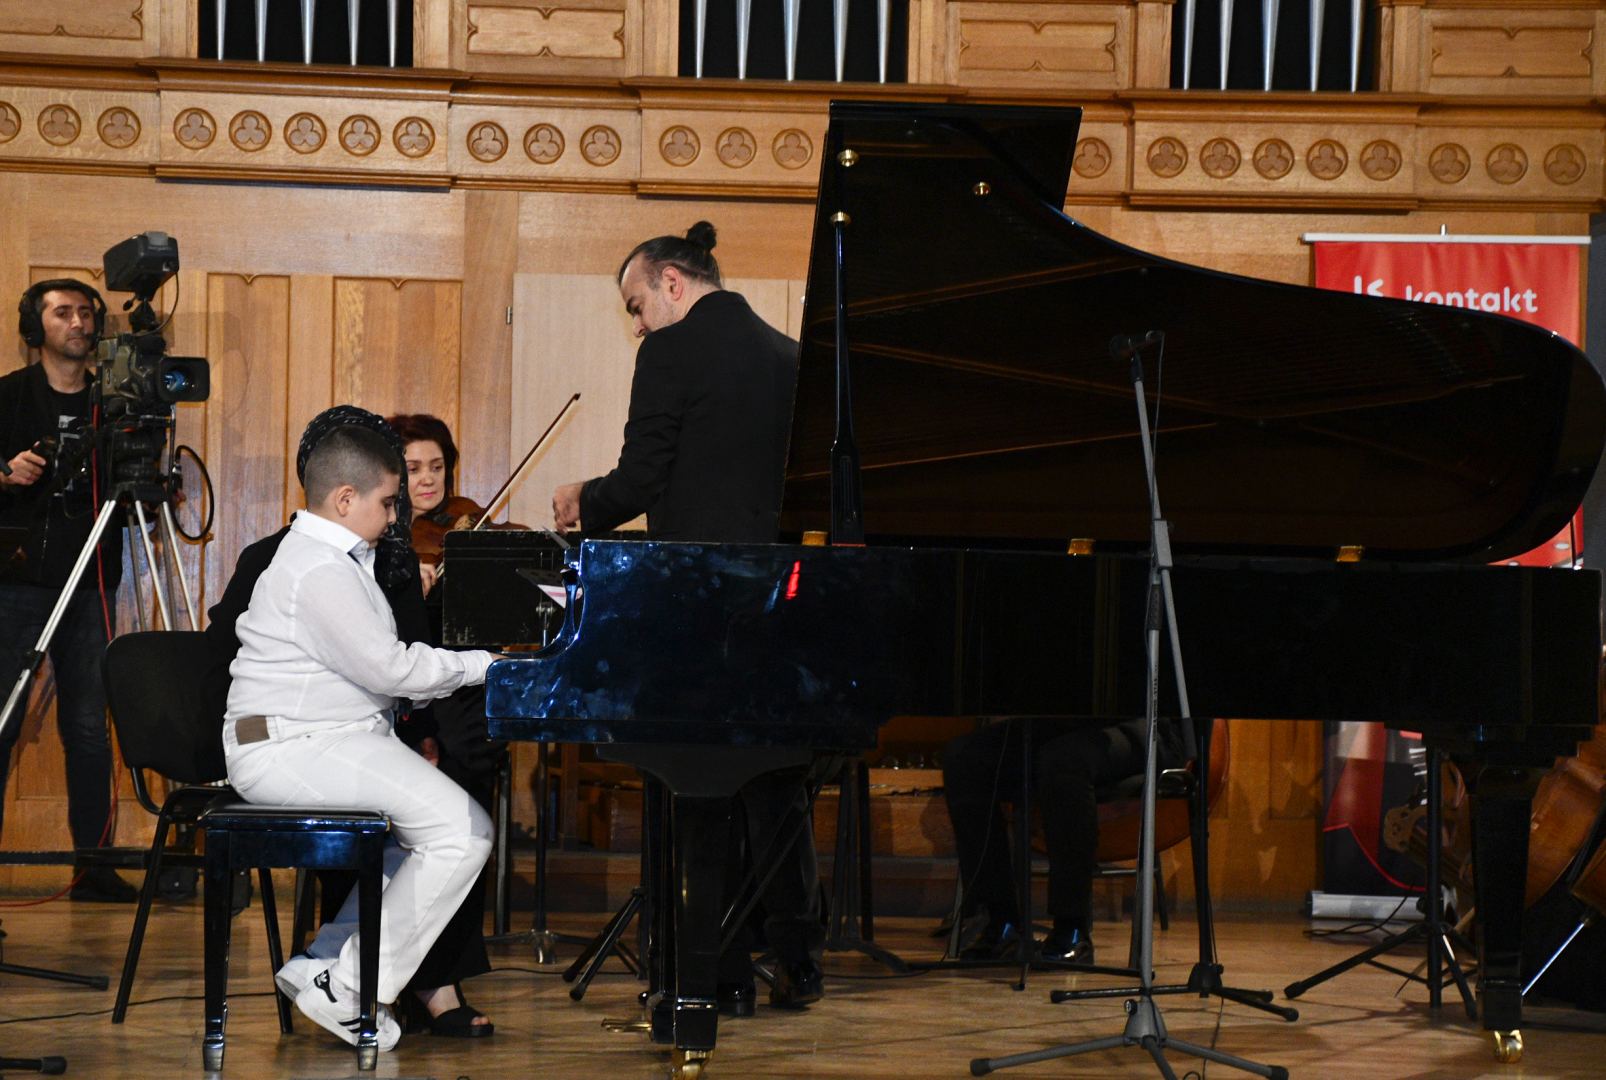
{"x": 32, "y": 327}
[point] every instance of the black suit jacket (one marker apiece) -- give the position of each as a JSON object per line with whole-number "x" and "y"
{"x": 705, "y": 443}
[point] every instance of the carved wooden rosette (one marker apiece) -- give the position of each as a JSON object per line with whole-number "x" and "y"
{"x": 59, "y": 125}
{"x": 543, "y": 144}
{"x": 250, "y": 131}
{"x": 359, "y": 136}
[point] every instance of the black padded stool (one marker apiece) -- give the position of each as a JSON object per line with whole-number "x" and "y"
{"x": 240, "y": 836}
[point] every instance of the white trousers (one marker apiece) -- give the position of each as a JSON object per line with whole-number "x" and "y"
{"x": 439, "y": 837}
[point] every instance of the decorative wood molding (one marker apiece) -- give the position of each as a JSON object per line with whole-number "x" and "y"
{"x": 75, "y": 28}
{"x": 1505, "y": 48}
{"x": 1087, "y": 46}
{"x": 725, "y": 138}
{"x": 550, "y": 37}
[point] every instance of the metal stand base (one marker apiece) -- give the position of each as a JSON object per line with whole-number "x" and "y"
{"x": 1421, "y": 933}
{"x": 94, "y": 982}
{"x": 1433, "y": 931}
{"x": 851, "y": 927}
{"x": 598, "y": 949}
{"x": 50, "y": 1066}
{"x": 1145, "y": 1028}
{"x": 1204, "y": 980}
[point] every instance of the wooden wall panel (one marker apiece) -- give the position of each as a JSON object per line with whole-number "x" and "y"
{"x": 82, "y": 27}
{"x": 1082, "y": 45}
{"x": 485, "y": 375}
{"x": 396, "y": 345}
{"x": 1489, "y": 48}
{"x": 248, "y": 342}
{"x": 310, "y": 381}
{"x": 570, "y": 334}
{"x": 569, "y": 37}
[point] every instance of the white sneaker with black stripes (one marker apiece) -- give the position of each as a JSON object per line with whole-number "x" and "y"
{"x": 297, "y": 972}
{"x": 337, "y": 1013}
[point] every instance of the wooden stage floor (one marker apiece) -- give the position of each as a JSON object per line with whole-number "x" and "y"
{"x": 868, "y": 1026}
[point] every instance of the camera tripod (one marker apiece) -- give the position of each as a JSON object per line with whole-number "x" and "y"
{"x": 129, "y": 498}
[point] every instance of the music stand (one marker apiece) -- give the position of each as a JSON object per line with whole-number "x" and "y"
{"x": 1145, "y": 1028}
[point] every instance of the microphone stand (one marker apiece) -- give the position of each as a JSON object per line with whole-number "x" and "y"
{"x": 1145, "y": 1027}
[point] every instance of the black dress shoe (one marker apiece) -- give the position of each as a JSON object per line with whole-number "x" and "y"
{"x": 738, "y": 999}
{"x": 1072, "y": 948}
{"x": 797, "y": 984}
{"x": 101, "y": 885}
{"x": 998, "y": 941}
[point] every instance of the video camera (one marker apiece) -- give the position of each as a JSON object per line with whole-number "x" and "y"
{"x": 136, "y": 373}
{"x": 138, "y": 383}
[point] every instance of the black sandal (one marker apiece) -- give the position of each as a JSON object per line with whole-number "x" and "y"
{"x": 455, "y": 1023}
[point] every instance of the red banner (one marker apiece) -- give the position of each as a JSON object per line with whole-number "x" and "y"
{"x": 1538, "y": 283}
{"x": 1369, "y": 770}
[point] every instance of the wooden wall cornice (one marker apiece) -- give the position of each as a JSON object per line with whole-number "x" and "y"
{"x": 724, "y": 138}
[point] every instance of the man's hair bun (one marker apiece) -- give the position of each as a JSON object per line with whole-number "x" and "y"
{"x": 692, "y": 255}
{"x": 701, "y": 234}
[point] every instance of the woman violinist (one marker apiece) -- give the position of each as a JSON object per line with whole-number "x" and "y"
{"x": 431, "y": 467}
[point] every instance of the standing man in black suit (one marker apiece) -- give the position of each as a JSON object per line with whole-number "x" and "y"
{"x": 704, "y": 451}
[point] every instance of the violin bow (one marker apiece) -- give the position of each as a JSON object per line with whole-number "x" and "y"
{"x": 506, "y": 489}
{"x": 503, "y": 492}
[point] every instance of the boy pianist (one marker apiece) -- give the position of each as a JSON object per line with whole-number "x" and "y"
{"x": 310, "y": 716}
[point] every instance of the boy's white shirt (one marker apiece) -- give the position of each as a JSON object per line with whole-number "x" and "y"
{"x": 318, "y": 646}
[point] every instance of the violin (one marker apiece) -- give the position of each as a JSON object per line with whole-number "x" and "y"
{"x": 456, "y": 512}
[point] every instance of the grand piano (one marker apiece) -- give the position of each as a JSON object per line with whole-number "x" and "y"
{"x": 1338, "y": 472}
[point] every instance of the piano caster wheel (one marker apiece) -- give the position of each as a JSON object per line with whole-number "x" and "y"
{"x": 1507, "y": 1046}
{"x": 620, "y": 1024}
{"x": 689, "y": 1064}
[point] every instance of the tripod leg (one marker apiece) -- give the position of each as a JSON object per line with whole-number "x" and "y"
{"x": 150, "y": 567}
{"x": 1393, "y": 941}
{"x": 602, "y": 944}
{"x": 170, "y": 540}
{"x": 32, "y": 659}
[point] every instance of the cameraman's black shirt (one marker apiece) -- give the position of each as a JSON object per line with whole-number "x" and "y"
{"x": 58, "y": 521}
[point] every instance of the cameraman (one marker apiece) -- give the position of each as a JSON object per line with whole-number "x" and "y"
{"x": 44, "y": 417}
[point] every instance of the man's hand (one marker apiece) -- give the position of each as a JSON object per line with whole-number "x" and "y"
{"x": 566, "y": 507}
{"x": 426, "y": 574}
{"x": 26, "y": 468}
{"x": 430, "y": 750}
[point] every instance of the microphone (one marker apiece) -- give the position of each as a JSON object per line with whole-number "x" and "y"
{"x": 1125, "y": 347}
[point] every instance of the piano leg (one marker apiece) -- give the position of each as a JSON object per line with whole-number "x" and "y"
{"x": 1502, "y": 799}
{"x": 700, "y": 837}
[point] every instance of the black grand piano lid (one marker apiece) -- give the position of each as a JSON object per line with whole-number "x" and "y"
{"x": 1293, "y": 420}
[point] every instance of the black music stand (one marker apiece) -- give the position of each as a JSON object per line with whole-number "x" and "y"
{"x": 1145, "y": 1028}
{"x": 539, "y": 937}
{"x": 1439, "y": 936}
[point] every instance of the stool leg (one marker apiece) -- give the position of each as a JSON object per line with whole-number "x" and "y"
{"x": 306, "y": 899}
{"x": 147, "y": 895}
{"x": 1159, "y": 896}
{"x": 270, "y": 916}
{"x": 369, "y": 884}
{"x": 219, "y": 895}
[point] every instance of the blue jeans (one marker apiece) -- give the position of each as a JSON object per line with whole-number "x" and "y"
{"x": 75, "y": 650}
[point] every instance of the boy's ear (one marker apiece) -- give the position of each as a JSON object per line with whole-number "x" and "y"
{"x": 341, "y": 498}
